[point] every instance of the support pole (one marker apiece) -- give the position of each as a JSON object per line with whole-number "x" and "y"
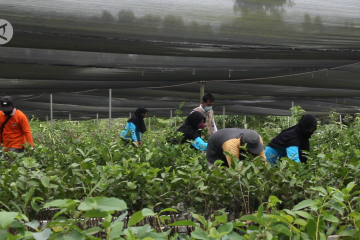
{"x": 170, "y": 118}
{"x": 51, "y": 113}
{"x": 340, "y": 122}
{"x": 245, "y": 122}
{"x": 202, "y": 90}
{"x": 110, "y": 109}
{"x": 97, "y": 120}
{"x": 223, "y": 116}
{"x": 129, "y": 114}
{"x": 292, "y": 115}
{"x": 69, "y": 117}
{"x": 288, "y": 121}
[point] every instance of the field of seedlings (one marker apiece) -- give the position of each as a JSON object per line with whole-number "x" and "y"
{"x": 81, "y": 182}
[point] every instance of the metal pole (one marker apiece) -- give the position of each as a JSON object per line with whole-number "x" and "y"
{"x": 223, "y": 116}
{"x": 288, "y": 121}
{"x": 340, "y": 122}
{"x": 110, "y": 109}
{"x": 51, "y": 113}
{"x": 97, "y": 119}
{"x": 245, "y": 122}
{"x": 292, "y": 115}
{"x": 170, "y": 118}
{"x": 69, "y": 117}
{"x": 129, "y": 114}
{"x": 202, "y": 89}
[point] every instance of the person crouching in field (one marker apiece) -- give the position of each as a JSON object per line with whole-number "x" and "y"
{"x": 191, "y": 131}
{"x": 134, "y": 128}
{"x": 229, "y": 140}
{"x": 292, "y": 141}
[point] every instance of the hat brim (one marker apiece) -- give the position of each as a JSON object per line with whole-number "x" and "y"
{"x": 257, "y": 149}
{"x": 6, "y": 109}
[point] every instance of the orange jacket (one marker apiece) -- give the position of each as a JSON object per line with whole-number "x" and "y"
{"x": 16, "y": 131}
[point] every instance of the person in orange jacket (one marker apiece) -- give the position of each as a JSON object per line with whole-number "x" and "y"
{"x": 14, "y": 127}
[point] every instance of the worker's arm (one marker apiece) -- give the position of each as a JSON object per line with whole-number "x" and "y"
{"x": 293, "y": 153}
{"x": 215, "y": 128}
{"x": 25, "y": 127}
{"x": 262, "y": 154}
{"x": 198, "y": 143}
{"x": 130, "y": 131}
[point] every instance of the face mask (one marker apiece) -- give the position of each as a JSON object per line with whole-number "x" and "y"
{"x": 207, "y": 108}
{"x": 202, "y": 126}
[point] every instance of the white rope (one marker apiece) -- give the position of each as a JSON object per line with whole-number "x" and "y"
{"x": 85, "y": 91}
{"x": 25, "y": 99}
{"x": 281, "y": 76}
{"x": 174, "y": 85}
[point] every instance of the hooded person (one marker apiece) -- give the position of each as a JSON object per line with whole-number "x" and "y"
{"x": 292, "y": 141}
{"x": 15, "y": 130}
{"x": 229, "y": 140}
{"x": 191, "y": 131}
{"x": 134, "y": 127}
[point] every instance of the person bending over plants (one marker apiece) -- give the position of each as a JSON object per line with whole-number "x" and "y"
{"x": 292, "y": 141}
{"x": 191, "y": 131}
{"x": 229, "y": 140}
{"x": 135, "y": 126}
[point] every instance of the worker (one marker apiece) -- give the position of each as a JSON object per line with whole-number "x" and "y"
{"x": 135, "y": 127}
{"x": 15, "y": 130}
{"x": 293, "y": 141}
{"x": 191, "y": 131}
{"x": 229, "y": 140}
{"x": 206, "y": 109}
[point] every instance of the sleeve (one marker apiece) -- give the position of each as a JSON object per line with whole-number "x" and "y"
{"x": 215, "y": 128}
{"x": 231, "y": 146}
{"x": 262, "y": 154}
{"x": 132, "y": 128}
{"x": 138, "y": 135}
{"x": 293, "y": 153}
{"x": 198, "y": 143}
{"x": 25, "y": 127}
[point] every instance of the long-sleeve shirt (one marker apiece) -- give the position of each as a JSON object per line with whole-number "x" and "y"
{"x": 273, "y": 154}
{"x": 131, "y": 132}
{"x": 16, "y": 131}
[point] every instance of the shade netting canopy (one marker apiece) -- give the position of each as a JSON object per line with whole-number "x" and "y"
{"x": 256, "y": 56}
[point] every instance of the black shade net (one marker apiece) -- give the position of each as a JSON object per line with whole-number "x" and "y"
{"x": 257, "y": 57}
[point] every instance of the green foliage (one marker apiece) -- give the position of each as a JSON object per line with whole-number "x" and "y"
{"x": 72, "y": 168}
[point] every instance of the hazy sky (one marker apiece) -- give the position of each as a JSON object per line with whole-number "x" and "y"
{"x": 332, "y": 11}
